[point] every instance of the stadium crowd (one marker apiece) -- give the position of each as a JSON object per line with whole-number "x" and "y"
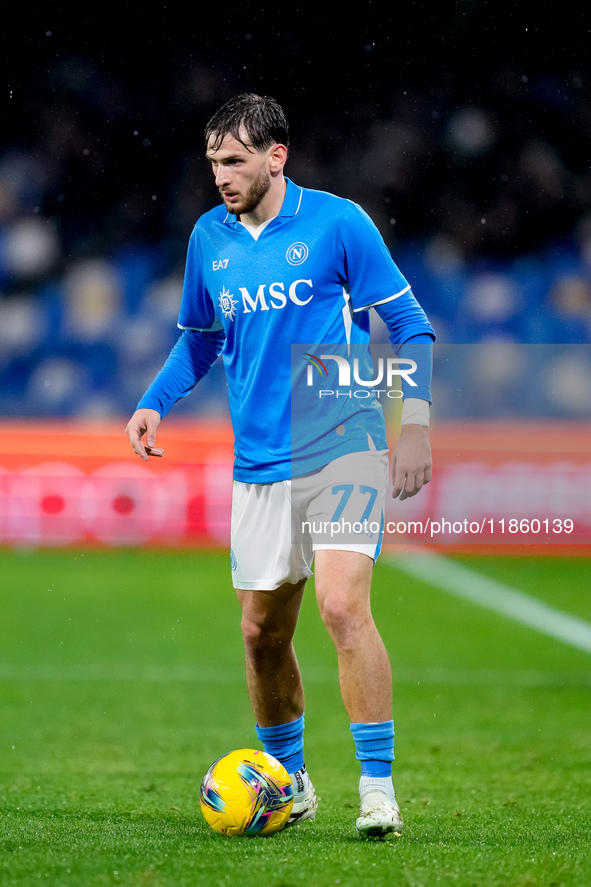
{"x": 482, "y": 193}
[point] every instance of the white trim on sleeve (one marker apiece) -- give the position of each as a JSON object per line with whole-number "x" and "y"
{"x": 216, "y": 328}
{"x": 382, "y": 301}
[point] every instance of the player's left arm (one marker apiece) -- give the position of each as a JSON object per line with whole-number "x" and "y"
{"x": 371, "y": 274}
{"x": 412, "y": 462}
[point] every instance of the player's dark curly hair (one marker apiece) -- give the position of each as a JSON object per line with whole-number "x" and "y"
{"x": 261, "y": 118}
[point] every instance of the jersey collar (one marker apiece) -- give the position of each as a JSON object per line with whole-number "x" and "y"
{"x": 290, "y": 206}
{"x": 292, "y": 199}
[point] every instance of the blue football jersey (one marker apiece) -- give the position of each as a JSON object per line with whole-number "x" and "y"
{"x": 305, "y": 282}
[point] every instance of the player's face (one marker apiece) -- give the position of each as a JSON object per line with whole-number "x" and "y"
{"x": 242, "y": 174}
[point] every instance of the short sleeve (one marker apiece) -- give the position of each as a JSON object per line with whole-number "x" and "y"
{"x": 372, "y": 277}
{"x": 197, "y": 311}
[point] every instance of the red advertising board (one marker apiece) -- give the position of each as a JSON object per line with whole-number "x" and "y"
{"x": 514, "y": 488}
{"x": 79, "y": 483}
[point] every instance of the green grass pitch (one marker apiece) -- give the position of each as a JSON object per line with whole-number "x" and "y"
{"x": 121, "y": 680}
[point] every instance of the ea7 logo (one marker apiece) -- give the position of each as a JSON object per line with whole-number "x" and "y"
{"x": 218, "y": 264}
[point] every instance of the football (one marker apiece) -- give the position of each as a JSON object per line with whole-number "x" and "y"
{"x": 246, "y": 792}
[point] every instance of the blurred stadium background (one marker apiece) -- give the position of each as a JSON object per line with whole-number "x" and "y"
{"x": 465, "y": 133}
{"x": 464, "y": 128}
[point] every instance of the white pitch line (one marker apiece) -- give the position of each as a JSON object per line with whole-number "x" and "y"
{"x": 441, "y": 572}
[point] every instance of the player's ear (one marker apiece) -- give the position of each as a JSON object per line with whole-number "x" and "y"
{"x": 277, "y": 157}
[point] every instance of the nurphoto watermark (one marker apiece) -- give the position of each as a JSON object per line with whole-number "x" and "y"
{"x": 510, "y": 435}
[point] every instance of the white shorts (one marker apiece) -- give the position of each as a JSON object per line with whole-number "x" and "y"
{"x": 277, "y": 527}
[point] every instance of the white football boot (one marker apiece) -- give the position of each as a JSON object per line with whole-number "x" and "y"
{"x": 305, "y": 802}
{"x": 379, "y": 815}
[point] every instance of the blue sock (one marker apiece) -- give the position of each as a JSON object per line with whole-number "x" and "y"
{"x": 375, "y": 747}
{"x": 285, "y": 742}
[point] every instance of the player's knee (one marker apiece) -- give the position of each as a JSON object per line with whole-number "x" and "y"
{"x": 262, "y": 635}
{"x": 252, "y": 632}
{"x": 344, "y": 620}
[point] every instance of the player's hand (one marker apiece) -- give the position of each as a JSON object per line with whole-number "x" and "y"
{"x": 411, "y": 461}
{"x": 144, "y": 422}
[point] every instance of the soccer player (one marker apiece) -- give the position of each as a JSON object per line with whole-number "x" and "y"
{"x": 273, "y": 266}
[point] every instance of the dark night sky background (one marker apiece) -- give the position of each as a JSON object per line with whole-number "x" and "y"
{"x": 112, "y": 109}
{"x": 463, "y": 128}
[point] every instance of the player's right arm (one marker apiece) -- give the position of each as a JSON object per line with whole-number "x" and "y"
{"x": 144, "y": 421}
{"x": 191, "y": 358}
